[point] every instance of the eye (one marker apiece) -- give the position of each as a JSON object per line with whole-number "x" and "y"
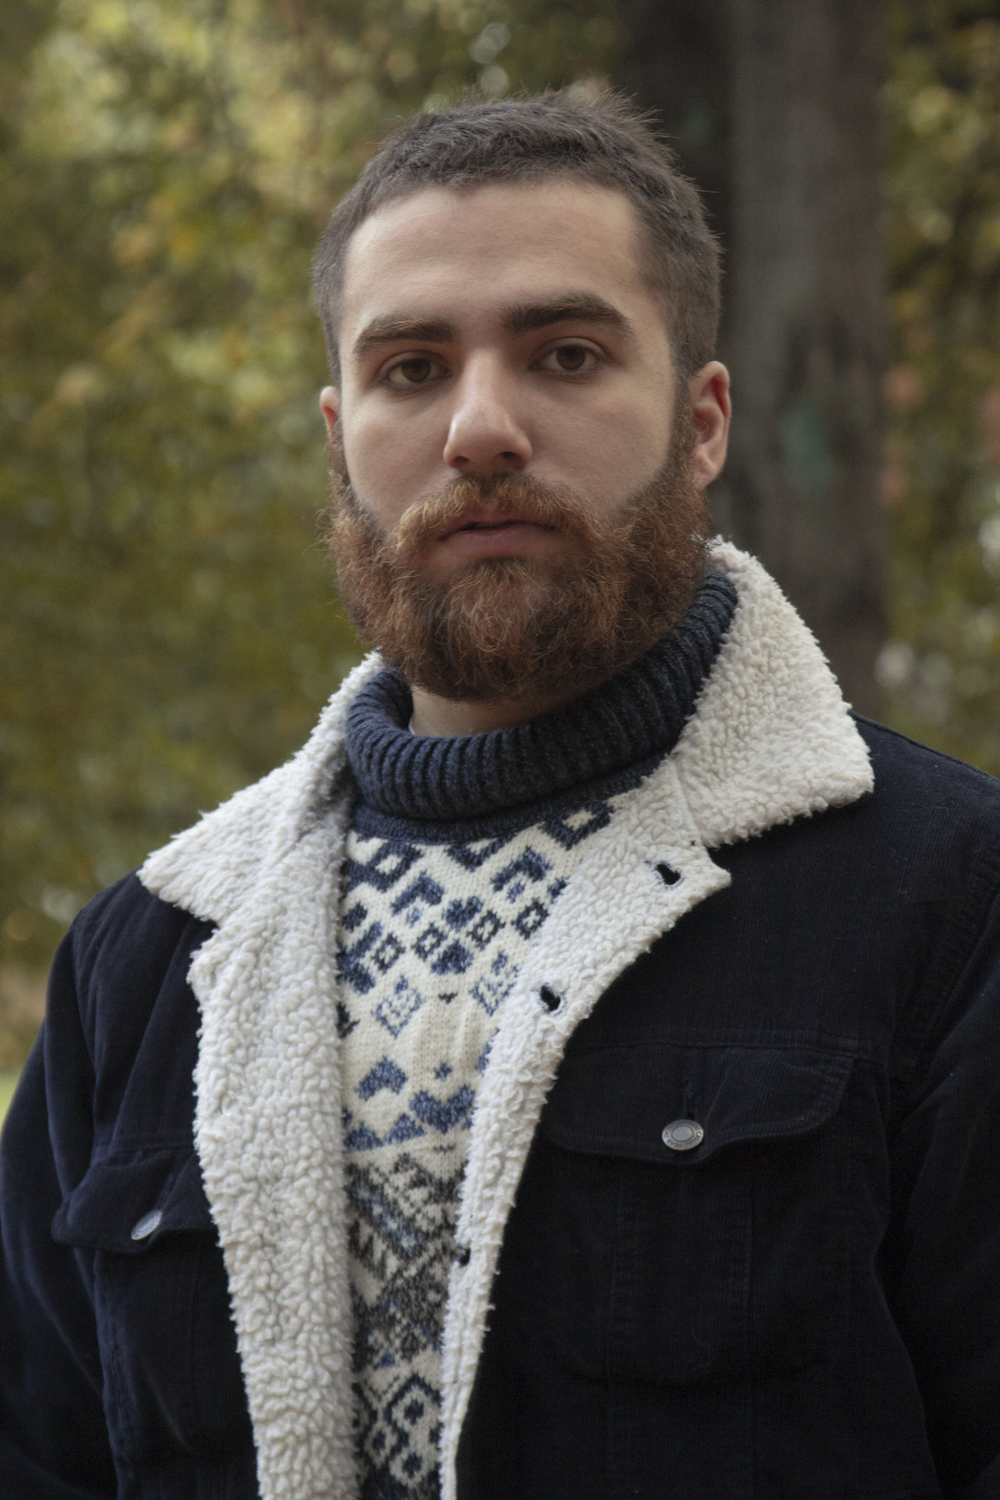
{"x": 413, "y": 371}
{"x": 571, "y": 359}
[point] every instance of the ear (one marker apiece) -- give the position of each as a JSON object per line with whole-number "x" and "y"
{"x": 329, "y": 405}
{"x": 711, "y": 410}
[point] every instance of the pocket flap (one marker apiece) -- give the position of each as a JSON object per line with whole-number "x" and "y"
{"x": 619, "y": 1101}
{"x": 129, "y": 1201}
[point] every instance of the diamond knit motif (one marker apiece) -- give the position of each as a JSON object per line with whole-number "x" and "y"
{"x": 459, "y": 849}
{"x": 432, "y": 937}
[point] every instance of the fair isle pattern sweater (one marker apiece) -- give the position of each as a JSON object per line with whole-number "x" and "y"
{"x": 458, "y": 850}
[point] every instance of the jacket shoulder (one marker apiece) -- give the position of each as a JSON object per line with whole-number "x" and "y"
{"x": 914, "y": 775}
{"x": 126, "y": 922}
{"x": 124, "y": 949}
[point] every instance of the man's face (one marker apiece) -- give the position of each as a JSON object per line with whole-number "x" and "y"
{"x": 502, "y": 330}
{"x": 517, "y": 494}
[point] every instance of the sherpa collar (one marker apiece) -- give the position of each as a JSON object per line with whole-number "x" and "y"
{"x": 771, "y": 740}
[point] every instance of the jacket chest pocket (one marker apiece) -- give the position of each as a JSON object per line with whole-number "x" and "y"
{"x": 697, "y": 1200}
{"x": 173, "y": 1384}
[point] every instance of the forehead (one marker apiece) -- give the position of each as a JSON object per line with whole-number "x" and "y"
{"x": 492, "y": 245}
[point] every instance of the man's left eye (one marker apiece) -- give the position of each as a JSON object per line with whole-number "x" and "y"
{"x": 570, "y": 359}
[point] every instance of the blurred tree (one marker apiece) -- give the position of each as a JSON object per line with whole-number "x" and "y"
{"x": 940, "y": 479}
{"x": 773, "y": 107}
{"x": 675, "y": 59}
{"x": 941, "y": 482}
{"x": 167, "y": 626}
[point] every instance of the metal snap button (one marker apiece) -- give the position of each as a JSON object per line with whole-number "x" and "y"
{"x": 145, "y": 1226}
{"x": 683, "y": 1135}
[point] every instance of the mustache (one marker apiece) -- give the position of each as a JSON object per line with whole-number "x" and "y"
{"x": 516, "y": 495}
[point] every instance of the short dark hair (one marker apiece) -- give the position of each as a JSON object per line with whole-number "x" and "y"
{"x": 602, "y": 139}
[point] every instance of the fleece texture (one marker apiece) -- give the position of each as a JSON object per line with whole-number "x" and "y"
{"x": 771, "y": 740}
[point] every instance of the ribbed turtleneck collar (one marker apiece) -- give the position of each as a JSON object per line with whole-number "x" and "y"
{"x": 633, "y": 717}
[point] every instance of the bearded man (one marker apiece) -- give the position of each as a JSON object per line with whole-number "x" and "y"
{"x": 575, "y": 1074}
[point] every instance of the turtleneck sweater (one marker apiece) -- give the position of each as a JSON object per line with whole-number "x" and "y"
{"x": 627, "y": 722}
{"x": 458, "y": 851}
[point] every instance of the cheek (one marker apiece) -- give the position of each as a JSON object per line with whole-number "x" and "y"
{"x": 376, "y": 463}
{"x": 619, "y": 447}
{"x": 390, "y": 456}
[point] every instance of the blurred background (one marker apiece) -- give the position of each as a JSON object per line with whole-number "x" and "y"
{"x": 168, "y": 628}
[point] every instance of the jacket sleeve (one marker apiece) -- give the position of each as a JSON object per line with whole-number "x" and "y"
{"x": 53, "y": 1435}
{"x": 944, "y": 1254}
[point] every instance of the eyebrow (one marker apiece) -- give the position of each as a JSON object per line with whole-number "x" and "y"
{"x": 572, "y": 307}
{"x": 575, "y": 307}
{"x": 393, "y": 329}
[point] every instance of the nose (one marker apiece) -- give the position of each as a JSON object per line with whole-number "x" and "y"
{"x": 486, "y": 433}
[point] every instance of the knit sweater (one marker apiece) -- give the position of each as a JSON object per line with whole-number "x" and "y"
{"x": 459, "y": 848}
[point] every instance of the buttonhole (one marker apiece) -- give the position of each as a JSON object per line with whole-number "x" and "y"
{"x": 668, "y": 874}
{"x": 463, "y": 1256}
{"x": 549, "y": 998}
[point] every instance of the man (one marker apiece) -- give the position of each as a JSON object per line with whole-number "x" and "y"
{"x": 594, "y": 1029}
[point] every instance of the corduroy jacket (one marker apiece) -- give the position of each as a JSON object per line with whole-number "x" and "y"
{"x": 730, "y": 1227}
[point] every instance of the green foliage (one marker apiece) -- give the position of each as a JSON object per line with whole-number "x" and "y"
{"x": 168, "y": 627}
{"x": 942, "y": 479}
{"x": 8, "y": 1080}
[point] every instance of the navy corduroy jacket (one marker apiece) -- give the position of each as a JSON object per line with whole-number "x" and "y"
{"x": 806, "y": 1307}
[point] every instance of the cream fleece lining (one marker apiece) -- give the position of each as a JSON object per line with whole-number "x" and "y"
{"x": 771, "y": 740}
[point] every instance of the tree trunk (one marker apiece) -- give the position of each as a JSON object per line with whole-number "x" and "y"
{"x": 676, "y": 63}
{"x": 791, "y": 164}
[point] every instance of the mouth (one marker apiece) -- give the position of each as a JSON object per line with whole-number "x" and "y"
{"x": 490, "y": 535}
{"x": 495, "y": 524}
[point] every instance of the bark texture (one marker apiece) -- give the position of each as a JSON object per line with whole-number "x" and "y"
{"x": 791, "y": 167}
{"x": 676, "y": 63}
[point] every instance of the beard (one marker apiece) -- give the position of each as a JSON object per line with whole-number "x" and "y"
{"x": 508, "y": 629}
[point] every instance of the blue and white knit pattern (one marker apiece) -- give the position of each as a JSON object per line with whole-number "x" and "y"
{"x": 432, "y": 937}
{"x": 458, "y": 850}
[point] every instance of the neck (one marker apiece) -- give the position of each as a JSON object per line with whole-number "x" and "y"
{"x": 442, "y": 717}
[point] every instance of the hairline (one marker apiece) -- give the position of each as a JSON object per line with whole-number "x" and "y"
{"x": 648, "y": 264}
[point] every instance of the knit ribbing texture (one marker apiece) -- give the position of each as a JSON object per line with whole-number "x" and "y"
{"x": 636, "y": 715}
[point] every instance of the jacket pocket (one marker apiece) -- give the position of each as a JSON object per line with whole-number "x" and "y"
{"x": 173, "y": 1384}
{"x": 701, "y": 1198}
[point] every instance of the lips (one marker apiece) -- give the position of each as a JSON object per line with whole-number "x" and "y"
{"x": 490, "y": 525}
{"x": 497, "y": 523}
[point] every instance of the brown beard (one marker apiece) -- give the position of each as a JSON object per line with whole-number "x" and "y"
{"x": 508, "y": 629}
